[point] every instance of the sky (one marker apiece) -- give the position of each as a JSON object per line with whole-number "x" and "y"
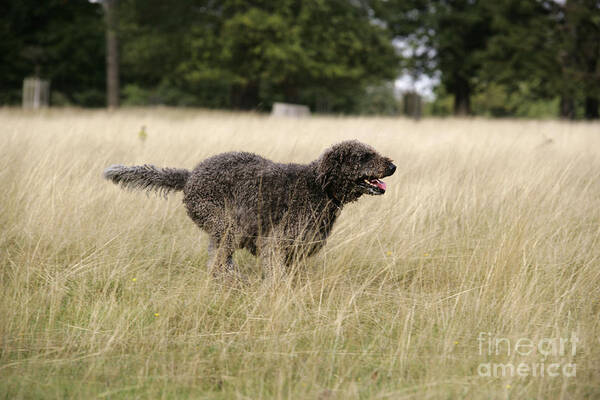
{"x": 423, "y": 85}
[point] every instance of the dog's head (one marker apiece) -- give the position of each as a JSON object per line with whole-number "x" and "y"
{"x": 350, "y": 169}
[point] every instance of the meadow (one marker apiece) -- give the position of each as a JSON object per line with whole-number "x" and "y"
{"x": 484, "y": 251}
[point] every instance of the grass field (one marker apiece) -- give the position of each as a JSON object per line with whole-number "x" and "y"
{"x": 485, "y": 251}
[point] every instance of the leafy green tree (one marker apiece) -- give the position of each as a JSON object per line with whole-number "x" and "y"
{"x": 551, "y": 49}
{"x": 247, "y": 54}
{"x": 534, "y": 50}
{"x": 580, "y": 31}
{"x": 521, "y": 58}
{"x": 452, "y": 36}
{"x": 58, "y": 40}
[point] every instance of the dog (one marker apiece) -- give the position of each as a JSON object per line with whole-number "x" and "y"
{"x": 243, "y": 200}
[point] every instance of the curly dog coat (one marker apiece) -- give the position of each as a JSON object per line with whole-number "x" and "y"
{"x": 243, "y": 200}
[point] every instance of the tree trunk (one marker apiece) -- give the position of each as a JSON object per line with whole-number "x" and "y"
{"x": 462, "y": 97}
{"x": 290, "y": 92}
{"x": 112, "y": 53}
{"x": 591, "y": 96}
{"x": 591, "y": 108}
{"x": 245, "y": 97}
{"x": 567, "y": 107}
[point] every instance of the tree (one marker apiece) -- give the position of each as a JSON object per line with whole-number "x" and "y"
{"x": 465, "y": 30}
{"x": 242, "y": 54}
{"x": 452, "y": 36}
{"x": 551, "y": 47}
{"x": 540, "y": 49}
{"x": 581, "y": 47}
{"x": 60, "y": 40}
{"x": 522, "y": 56}
{"x": 247, "y": 54}
{"x": 112, "y": 52}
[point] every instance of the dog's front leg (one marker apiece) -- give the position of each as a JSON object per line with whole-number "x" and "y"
{"x": 273, "y": 258}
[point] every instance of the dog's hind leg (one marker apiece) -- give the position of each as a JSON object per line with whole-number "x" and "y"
{"x": 220, "y": 257}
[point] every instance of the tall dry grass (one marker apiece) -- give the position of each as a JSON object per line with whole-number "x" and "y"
{"x": 487, "y": 226}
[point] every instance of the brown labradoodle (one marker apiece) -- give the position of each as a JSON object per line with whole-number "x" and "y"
{"x": 243, "y": 200}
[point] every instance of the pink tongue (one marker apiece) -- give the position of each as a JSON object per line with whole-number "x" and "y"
{"x": 380, "y": 184}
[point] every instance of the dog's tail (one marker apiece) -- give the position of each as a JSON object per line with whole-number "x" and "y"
{"x": 148, "y": 177}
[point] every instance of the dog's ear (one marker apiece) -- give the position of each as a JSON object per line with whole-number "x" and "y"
{"x": 324, "y": 172}
{"x": 329, "y": 166}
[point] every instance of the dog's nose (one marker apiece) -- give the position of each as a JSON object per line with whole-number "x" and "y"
{"x": 391, "y": 169}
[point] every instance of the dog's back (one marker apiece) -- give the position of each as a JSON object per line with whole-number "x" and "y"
{"x": 244, "y": 193}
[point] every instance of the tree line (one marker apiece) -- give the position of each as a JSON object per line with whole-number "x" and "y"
{"x": 497, "y": 58}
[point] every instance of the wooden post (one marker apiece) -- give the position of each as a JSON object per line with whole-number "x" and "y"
{"x": 412, "y": 105}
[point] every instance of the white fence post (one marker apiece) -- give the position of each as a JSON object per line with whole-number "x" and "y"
{"x": 36, "y": 93}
